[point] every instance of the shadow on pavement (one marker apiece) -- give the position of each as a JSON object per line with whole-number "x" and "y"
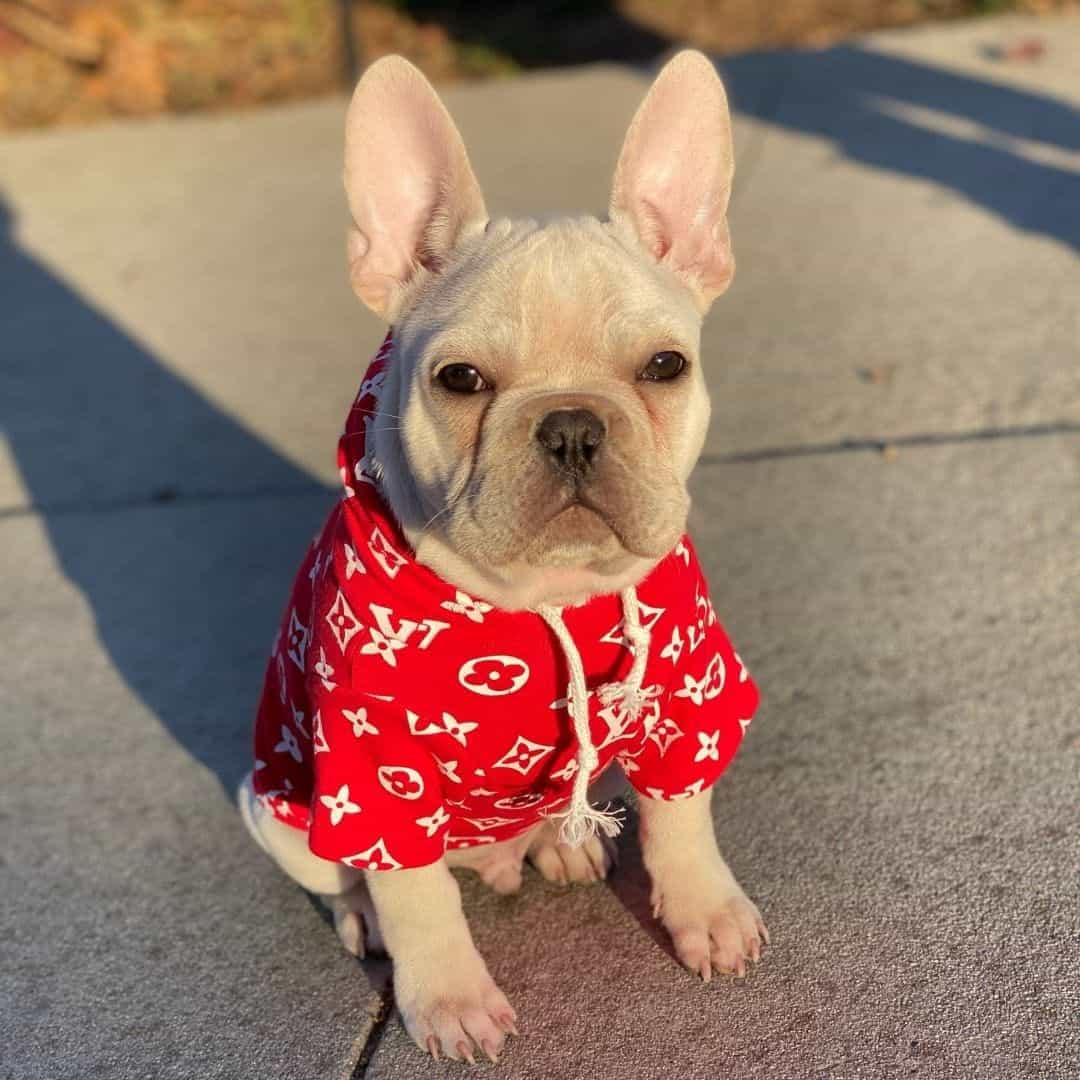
{"x": 888, "y": 113}
{"x": 185, "y": 586}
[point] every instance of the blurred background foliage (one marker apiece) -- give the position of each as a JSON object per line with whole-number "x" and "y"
{"x": 71, "y": 61}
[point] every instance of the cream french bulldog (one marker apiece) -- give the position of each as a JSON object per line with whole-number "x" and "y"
{"x": 535, "y": 431}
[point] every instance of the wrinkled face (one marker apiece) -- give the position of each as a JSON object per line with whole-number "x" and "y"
{"x": 546, "y": 404}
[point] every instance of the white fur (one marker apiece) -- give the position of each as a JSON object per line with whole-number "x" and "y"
{"x": 712, "y": 923}
{"x": 564, "y": 311}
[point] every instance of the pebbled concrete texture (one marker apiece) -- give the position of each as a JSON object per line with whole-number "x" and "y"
{"x": 904, "y": 810}
{"x": 894, "y": 277}
{"x": 907, "y": 238}
{"x": 142, "y": 934}
{"x": 177, "y": 349}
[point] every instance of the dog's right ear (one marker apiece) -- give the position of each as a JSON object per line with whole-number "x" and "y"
{"x": 411, "y": 190}
{"x": 673, "y": 180}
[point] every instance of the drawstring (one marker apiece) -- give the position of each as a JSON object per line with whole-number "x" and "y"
{"x": 582, "y": 820}
{"x": 629, "y": 691}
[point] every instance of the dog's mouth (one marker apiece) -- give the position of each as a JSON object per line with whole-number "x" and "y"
{"x": 579, "y": 511}
{"x": 527, "y": 515}
{"x": 582, "y": 521}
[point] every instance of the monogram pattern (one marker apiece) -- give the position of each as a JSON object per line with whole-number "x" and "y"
{"x": 402, "y": 717}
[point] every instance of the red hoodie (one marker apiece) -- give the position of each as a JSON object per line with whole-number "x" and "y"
{"x": 401, "y": 717}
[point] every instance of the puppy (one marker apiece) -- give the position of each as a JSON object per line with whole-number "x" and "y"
{"x": 502, "y": 615}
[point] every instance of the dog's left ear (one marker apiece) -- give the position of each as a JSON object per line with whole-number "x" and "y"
{"x": 673, "y": 180}
{"x": 411, "y": 190}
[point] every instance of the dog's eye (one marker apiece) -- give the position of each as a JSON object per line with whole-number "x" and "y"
{"x": 664, "y": 366}
{"x": 461, "y": 379}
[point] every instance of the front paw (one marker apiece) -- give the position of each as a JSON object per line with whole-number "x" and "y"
{"x": 451, "y": 1007}
{"x": 355, "y": 921}
{"x": 712, "y": 923}
{"x": 565, "y": 865}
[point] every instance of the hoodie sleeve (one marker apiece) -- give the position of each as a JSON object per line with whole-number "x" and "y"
{"x": 695, "y": 726}
{"x": 377, "y": 800}
{"x": 377, "y": 797}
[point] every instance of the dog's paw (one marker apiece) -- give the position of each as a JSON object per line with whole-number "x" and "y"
{"x": 714, "y": 927}
{"x": 567, "y": 865}
{"x": 453, "y": 1009}
{"x": 355, "y": 921}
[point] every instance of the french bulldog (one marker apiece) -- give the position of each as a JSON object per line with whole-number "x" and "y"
{"x": 515, "y": 465}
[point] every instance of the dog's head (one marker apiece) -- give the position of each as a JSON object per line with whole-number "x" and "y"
{"x": 545, "y": 404}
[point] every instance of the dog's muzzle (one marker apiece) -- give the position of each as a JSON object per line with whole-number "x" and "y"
{"x": 572, "y": 439}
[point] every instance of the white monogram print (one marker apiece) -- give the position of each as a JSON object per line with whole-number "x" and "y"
{"x": 523, "y": 756}
{"x": 385, "y": 554}
{"x": 318, "y": 738}
{"x": 456, "y": 729}
{"x": 709, "y": 686}
{"x": 432, "y": 824}
{"x": 342, "y": 622}
{"x": 401, "y": 781}
{"x": 361, "y": 725}
{"x": 708, "y": 750}
{"x": 288, "y": 744}
{"x": 494, "y": 676}
{"x": 375, "y": 857}
{"x": 324, "y": 670}
{"x": 339, "y": 805}
{"x": 650, "y": 616}
{"x": 352, "y": 564}
{"x": 298, "y": 638}
{"x": 463, "y": 604}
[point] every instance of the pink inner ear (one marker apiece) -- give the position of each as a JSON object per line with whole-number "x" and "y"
{"x": 673, "y": 179}
{"x": 654, "y": 232}
{"x": 408, "y": 180}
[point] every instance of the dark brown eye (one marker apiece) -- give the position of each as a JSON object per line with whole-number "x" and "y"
{"x": 665, "y": 366}
{"x": 461, "y": 379}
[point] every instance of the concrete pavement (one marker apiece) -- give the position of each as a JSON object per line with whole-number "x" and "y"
{"x": 178, "y": 348}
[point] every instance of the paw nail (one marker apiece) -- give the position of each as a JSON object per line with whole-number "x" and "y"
{"x": 464, "y": 1051}
{"x": 433, "y": 1047}
{"x": 492, "y": 1056}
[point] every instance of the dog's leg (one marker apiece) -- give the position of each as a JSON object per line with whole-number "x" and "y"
{"x": 339, "y": 887}
{"x": 711, "y": 921}
{"x": 355, "y": 920}
{"x": 567, "y": 865}
{"x": 592, "y": 861}
{"x": 446, "y": 997}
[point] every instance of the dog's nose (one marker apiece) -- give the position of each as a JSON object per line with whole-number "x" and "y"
{"x": 571, "y": 437}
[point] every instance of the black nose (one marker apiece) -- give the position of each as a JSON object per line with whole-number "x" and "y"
{"x": 572, "y": 437}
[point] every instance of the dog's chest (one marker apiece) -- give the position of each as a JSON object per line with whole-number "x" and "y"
{"x": 486, "y": 693}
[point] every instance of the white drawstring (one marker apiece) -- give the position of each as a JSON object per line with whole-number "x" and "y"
{"x": 582, "y": 820}
{"x": 629, "y": 690}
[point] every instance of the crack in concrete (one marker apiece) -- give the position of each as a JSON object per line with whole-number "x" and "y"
{"x": 375, "y": 1035}
{"x": 173, "y": 496}
{"x": 883, "y": 445}
{"x": 164, "y": 497}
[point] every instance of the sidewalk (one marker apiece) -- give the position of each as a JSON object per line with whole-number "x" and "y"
{"x": 888, "y": 509}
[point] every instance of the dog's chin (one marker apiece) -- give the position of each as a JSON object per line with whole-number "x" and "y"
{"x": 574, "y": 554}
{"x": 575, "y": 536}
{"x": 582, "y": 535}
